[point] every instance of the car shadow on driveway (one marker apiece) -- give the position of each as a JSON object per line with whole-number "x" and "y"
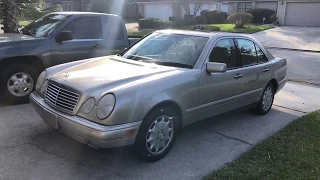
{"x": 201, "y": 148}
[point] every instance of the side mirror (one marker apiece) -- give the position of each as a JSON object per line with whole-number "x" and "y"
{"x": 216, "y": 67}
{"x": 64, "y": 36}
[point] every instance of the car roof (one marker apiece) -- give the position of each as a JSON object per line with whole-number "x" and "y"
{"x": 203, "y": 34}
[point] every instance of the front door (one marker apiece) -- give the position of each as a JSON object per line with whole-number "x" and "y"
{"x": 87, "y": 41}
{"x": 219, "y": 91}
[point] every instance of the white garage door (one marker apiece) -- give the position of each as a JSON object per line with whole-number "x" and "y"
{"x": 302, "y": 14}
{"x": 267, "y": 5}
{"x": 155, "y": 10}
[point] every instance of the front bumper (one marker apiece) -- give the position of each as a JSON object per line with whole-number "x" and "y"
{"x": 82, "y": 130}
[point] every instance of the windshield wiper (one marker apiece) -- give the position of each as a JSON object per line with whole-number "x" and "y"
{"x": 168, "y": 63}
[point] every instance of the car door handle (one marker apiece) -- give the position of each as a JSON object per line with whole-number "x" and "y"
{"x": 266, "y": 70}
{"x": 238, "y": 76}
{"x": 98, "y": 46}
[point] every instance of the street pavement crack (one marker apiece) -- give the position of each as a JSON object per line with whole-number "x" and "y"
{"x": 229, "y": 137}
{"x": 61, "y": 157}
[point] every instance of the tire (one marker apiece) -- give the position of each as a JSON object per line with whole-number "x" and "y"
{"x": 262, "y": 108}
{"x": 25, "y": 76}
{"x": 143, "y": 149}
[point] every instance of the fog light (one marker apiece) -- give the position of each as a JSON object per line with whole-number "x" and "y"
{"x": 130, "y": 133}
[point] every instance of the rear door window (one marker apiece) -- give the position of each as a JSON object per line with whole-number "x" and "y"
{"x": 248, "y": 52}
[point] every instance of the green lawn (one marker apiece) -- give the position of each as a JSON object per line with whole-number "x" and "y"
{"x": 24, "y": 23}
{"x": 141, "y": 32}
{"x": 249, "y": 29}
{"x": 293, "y": 153}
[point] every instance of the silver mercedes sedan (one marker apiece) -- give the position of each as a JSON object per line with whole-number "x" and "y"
{"x": 146, "y": 94}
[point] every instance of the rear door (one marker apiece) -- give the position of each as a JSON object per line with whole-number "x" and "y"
{"x": 87, "y": 41}
{"x": 254, "y": 69}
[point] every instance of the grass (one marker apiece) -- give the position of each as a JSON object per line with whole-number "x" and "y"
{"x": 141, "y": 32}
{"x": 249, "y": 29}
{"x": 293, "y": 153}
{"x": 24, "y": 23}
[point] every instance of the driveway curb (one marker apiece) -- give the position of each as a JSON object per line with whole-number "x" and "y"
{"x": 290, "y": 49}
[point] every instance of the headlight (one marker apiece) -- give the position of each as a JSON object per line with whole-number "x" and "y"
{"x": 41, "y": 79}
{"x": 88, "y": 105}
{"x": 105, "y": 106}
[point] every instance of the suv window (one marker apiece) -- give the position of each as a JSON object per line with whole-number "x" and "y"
{"x": 116, "y": 31}
{"x": 224, "y": 51}
{"x": 85, "y": 28}
{"x": 247, "y": 51}
{"x": 261, "y": 56}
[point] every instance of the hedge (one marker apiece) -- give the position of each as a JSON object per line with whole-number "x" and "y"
{"x": 201, "y": 19}
{"x": 259, "y": 14}
{"x": 214, "y": 16}
{"x": 146, "y": 23}
{"x": 162, "y": 24}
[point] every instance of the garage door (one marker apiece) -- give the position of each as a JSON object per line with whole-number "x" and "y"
{"x": 302, "y": 14}
{"x": 155, "y": 10}
{"x": 267, "y": 5}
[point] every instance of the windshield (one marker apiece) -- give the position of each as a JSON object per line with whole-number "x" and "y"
{"x": 168, "y": 49}
{"x": 45, "y": 25}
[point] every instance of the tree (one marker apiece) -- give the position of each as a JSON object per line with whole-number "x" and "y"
{"x": 101, "y": 6}
{"x": 9, "y": 15}
{"x": 189, "y": 6}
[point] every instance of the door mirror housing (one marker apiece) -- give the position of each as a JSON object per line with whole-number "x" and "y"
{"x": 64, "y": 36}
{"x": 216, "y": 67}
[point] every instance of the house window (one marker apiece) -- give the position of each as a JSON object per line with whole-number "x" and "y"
{"x": 244, "y": 7}
{"x": 217, "y": 6}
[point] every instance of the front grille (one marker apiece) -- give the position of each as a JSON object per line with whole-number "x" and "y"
{"x": 61, "y": 98}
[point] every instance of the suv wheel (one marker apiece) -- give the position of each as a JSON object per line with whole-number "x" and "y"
{"x": 17, "y": 82}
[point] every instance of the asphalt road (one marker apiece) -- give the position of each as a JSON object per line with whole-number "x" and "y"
{"x": 302, "y": 66}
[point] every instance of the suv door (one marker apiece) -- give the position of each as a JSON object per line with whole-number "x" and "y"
{"x": 219, "y": 91}
{"x": 254, "y": 71}
{"x": 87, "y": 41}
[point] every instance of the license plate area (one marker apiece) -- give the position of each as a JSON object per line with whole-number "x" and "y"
{"x": 50, "y": 119}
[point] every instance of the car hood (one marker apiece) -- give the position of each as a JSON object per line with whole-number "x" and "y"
{"x": 105, "y": 73}
{"x": 9, "y": 37}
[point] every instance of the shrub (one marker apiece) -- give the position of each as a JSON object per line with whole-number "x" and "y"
{"x": 162, "y": 24}
{"x": 259, "y": 14}
{"x": 207, "y": 28}
{"x": 240, "y": 19}
{"x": 273, "y": 18}
{"x": 201, "y": 19}
{"x": 213, "y": 28}
{"x": 146, "y": 23}
{"x": 214, "y": 16}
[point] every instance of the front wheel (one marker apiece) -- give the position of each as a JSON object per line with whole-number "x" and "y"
{"x": 17, "y": 82}
{"x": 157, "y": 134}
{"x": 266, "y": 100}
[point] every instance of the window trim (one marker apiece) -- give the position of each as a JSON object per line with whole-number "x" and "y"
{"x": 245, "y": 6}
{"x": 256, "y": 45}
{"x": 75, "y": 40}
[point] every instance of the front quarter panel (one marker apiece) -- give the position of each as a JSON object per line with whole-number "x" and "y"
{"x": 135, "y": 101}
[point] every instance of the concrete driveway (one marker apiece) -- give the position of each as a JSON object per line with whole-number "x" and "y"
{"x": 291, "y": 37}
{"x": 29, "y": 149}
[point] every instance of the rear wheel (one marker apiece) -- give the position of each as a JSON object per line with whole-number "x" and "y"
{"x": 157, "y": 134}
{"x": 266, "y": 100}
{"x": 17, "y": 82}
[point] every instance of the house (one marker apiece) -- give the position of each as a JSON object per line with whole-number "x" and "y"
{"x": 163, "y": 9}
{"x": 72, "y": 5}
{"x": 289, "y": 12}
